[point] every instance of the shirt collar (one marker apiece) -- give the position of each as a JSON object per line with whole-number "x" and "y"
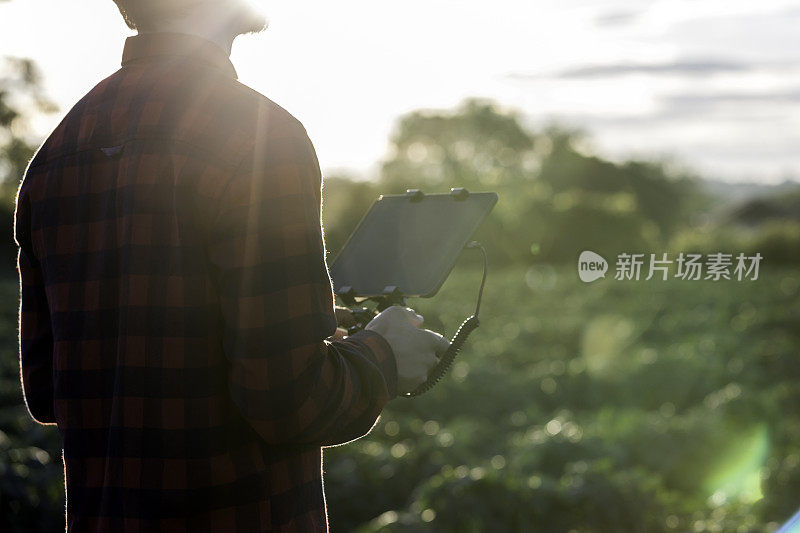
{"x": 161, "y": 45}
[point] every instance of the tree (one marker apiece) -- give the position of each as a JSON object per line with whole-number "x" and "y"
{"x": 21, "y": 96}
{"x": 555, "y": 196}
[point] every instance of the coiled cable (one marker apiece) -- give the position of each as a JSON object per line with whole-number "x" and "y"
{"x": 466, "y": 327}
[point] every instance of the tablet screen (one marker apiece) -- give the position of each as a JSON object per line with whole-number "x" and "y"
{"x": 409, "y": 244}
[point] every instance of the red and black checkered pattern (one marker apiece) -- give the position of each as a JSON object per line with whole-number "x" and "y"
{"x": 176, "y": 304}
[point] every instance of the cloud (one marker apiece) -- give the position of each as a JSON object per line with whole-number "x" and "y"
{"x": 702, "y": 67}
{"x": 693, "y": 100}
{"x": 616, "y": 18}
{"x": 745, "y": 108}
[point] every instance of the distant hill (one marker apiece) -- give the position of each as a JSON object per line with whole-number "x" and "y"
{"x": 736, "y": 193}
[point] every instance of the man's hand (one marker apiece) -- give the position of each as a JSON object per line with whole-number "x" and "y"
{"x": 416, "y": 350}
{"x": 344, "y": 320}
{"x": 344, "y": 317}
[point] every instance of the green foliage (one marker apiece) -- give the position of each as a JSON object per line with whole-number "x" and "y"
{"x": 31, "y": 474}
{"x": 769, "y": 225}
{"x": 616, "y": 406}
{"x": 777, "y": 241}
{"x": 765, "y": 209}
{"x": 21, "y": 96}
{"x": 345, "y": 203}
{"x": 473, "y": 146}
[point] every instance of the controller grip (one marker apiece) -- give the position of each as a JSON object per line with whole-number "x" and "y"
{"x": 438, "y": 371}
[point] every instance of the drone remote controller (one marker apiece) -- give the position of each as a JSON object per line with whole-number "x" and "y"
{"x": 406, "y": 246}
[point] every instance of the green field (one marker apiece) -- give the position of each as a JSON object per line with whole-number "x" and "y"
{"x": 611, "y": 406}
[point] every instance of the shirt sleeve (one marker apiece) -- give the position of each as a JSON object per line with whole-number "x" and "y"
{"x": 267, "y": 251}
{"x": 35, "y": 332}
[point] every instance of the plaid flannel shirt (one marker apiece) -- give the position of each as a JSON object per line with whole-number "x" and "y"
{"x": 176, "y": 304}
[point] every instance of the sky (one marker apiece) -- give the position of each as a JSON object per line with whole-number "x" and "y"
{"x": 712, "y": 85}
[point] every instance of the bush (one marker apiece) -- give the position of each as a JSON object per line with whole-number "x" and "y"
{"x": 778, "y": 241}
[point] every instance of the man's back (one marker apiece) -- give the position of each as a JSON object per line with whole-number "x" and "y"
{"x": 175, "y": 303}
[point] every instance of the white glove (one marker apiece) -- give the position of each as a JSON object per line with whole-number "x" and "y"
{"x": 416, "y": 350}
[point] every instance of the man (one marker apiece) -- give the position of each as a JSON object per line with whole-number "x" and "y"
{"x": 176, "y": 308}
